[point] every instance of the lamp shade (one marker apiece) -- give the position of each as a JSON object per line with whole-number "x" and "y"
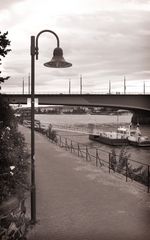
{"x": 58, "y": 60}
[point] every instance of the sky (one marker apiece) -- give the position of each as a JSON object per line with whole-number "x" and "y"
{"x": 104, "y": 40}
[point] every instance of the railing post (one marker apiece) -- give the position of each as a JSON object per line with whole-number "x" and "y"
{"x": 71, "y": 146}
{"x": 78, "y": 149}
{"x": 86, "y": 153}
{"x": 109, "y": 162}
{"x": 126, "y": 170}
{"x": 66, "y": 144}
{"x": 60, "y": 141}
{"x": 148, "y": 176}
{"x": 96, "y": 157}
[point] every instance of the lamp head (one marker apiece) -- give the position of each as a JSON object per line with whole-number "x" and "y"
{"x": 58, "y": 60}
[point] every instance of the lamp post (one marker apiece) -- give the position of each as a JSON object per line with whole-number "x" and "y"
{"x": 57, "y": 61}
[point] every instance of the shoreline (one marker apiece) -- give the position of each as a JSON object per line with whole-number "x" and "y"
{"x": 133, "y": 169}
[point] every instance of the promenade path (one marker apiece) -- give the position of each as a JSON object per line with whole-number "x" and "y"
{"x": 77, "y": 201}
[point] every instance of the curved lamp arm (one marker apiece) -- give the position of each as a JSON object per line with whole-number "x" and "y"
{"x": 37, "y": 37}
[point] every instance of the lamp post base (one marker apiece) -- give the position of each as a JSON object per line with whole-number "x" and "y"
{"x": 33, "y": 204}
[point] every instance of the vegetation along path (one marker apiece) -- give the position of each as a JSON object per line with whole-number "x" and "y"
{"x": 78, "y": 201}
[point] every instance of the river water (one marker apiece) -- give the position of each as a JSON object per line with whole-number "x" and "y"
{"x": 99, "y": 122}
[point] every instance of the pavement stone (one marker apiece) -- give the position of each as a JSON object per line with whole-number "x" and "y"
{"x": 77, "y": 201}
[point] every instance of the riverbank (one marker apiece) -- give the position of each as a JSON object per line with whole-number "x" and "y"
{"x": 77, "y": 201}
{"x": 101, "y": 123}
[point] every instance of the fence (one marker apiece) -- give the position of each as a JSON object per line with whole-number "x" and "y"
{"x": 131, "y": 169}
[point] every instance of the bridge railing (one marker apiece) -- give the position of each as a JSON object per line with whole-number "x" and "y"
{"x": 83, "y": 93}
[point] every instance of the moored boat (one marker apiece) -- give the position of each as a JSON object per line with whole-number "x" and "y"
{"x": 117, "y": 138}
{"x": 122, "y": 136}
{"x": 27, "y": 123}
{"x": 137, "y": 139}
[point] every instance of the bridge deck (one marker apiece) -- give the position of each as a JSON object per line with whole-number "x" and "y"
{"x": 128, "y": 101}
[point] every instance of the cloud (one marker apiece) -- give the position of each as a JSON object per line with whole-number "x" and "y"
{"x": 8, "y": 3}
{"x": 104, "y": 40}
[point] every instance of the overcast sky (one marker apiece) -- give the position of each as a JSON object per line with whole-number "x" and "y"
{"x": 105, "y": 40}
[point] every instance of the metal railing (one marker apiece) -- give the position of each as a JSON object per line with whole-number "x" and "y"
{"x": 131, "y": 169}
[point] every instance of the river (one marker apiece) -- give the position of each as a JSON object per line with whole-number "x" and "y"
{"x": 101, "y": 122}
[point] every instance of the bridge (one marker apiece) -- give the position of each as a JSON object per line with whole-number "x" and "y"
{"x": 127, "y": 101}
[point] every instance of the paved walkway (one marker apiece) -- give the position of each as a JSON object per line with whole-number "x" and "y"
{"x": 76, "y": 201}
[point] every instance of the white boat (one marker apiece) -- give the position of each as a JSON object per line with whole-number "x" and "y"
{"x": 137, "y": 139}
{"x": 27, "y": 123}
{"x": 113, "y": 138}
{"x": 122, "y": 136}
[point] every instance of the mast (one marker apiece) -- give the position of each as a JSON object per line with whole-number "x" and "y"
{"x": 80, "y": 84}
{"x": 124, "y": 85}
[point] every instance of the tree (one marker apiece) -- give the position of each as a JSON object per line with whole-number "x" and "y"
{"x": 113, "y": 160}
{"x": 13, "y": 152}
{"x": 123, "y": 159}
{"x": 4, "y": 43}
{"x": 7, "y": 117}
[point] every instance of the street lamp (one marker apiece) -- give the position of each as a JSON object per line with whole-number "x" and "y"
{"x": 57, "y": 61}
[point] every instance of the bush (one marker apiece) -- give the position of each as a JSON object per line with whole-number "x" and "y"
{"x": 51, "y": 134}
{"x": 113, "y": 160}
{"x": 13, "y": 157}
{"x": 119, "y": 165}
{"x": 123, "y": 159}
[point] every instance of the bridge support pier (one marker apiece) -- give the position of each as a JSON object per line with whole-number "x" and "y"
{"x": 141, "y": 117}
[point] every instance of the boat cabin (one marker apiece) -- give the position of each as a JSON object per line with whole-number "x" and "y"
{"x": 122, "y": 130}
